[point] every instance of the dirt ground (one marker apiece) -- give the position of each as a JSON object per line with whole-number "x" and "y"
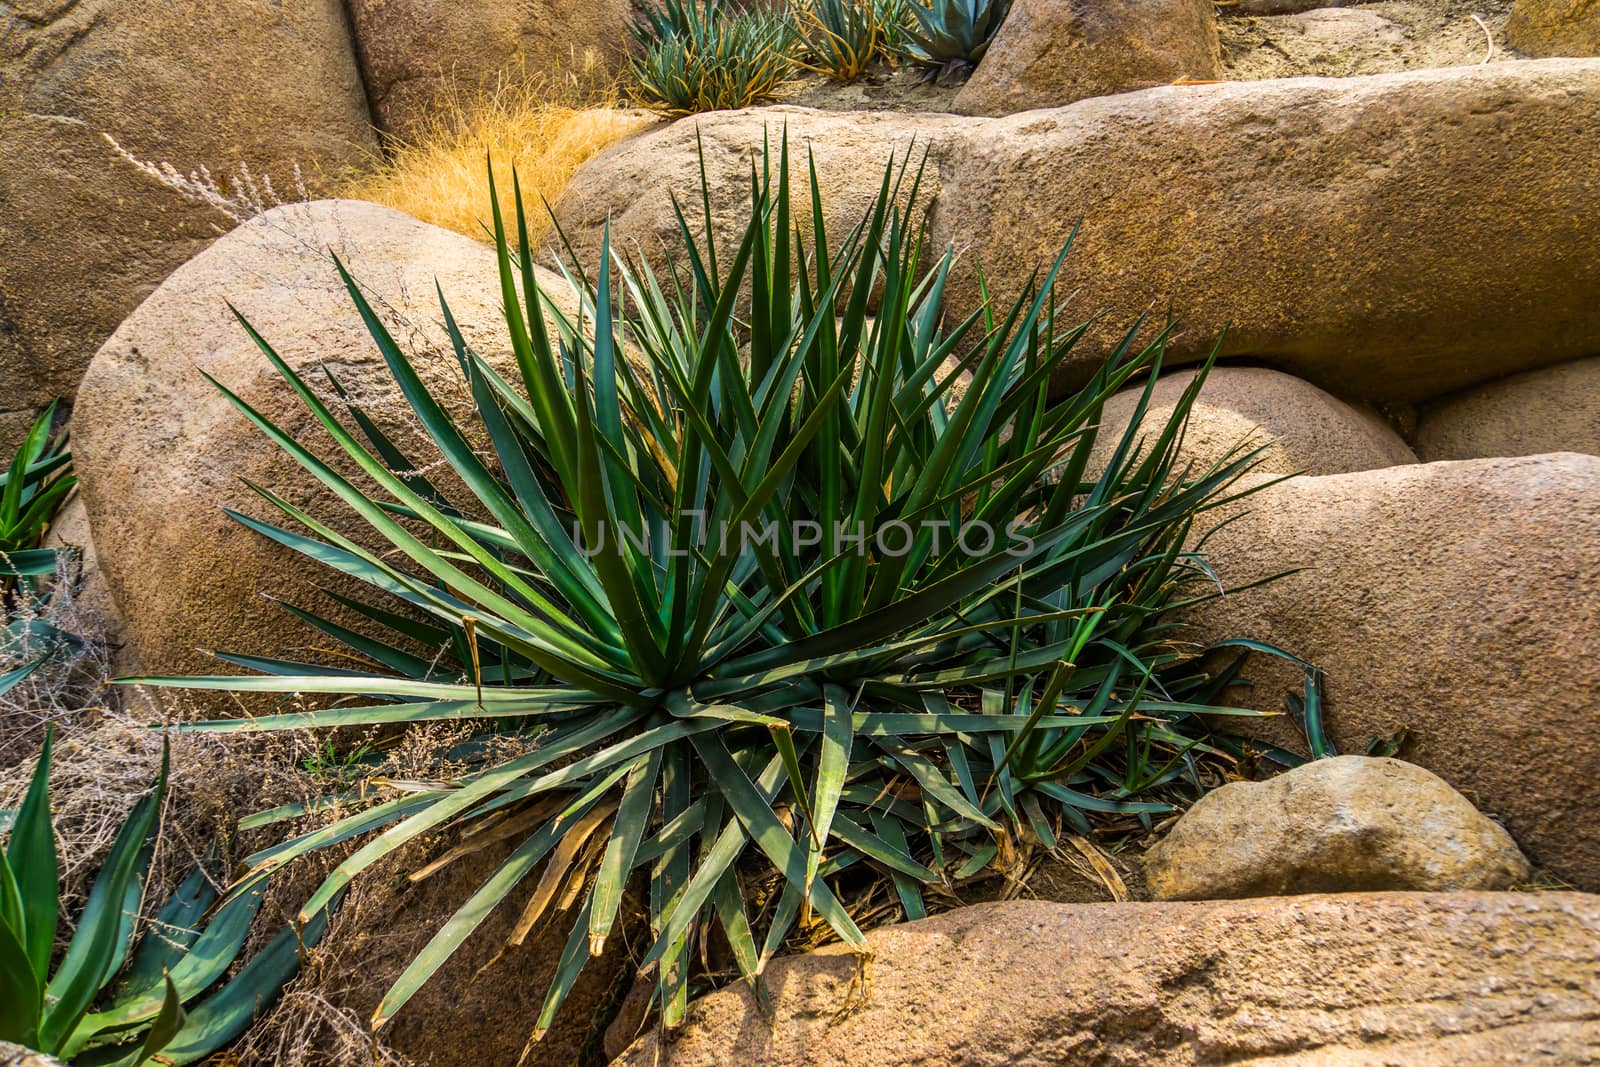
{"x": 883, "y": 88}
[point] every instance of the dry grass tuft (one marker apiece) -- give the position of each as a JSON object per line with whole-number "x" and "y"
{"x": 543, "y": 130}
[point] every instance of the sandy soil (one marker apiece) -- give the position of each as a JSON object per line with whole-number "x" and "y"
{"x": 883, "y": 88}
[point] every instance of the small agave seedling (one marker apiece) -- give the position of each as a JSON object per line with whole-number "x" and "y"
{"x": 116, "y": 998}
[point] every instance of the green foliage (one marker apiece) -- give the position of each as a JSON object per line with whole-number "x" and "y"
{"x": 700, "y": 55}
{"x": 31, "y": 490}
{"x": 327, "y": 762}
{"x": 842, "y": 38}
{"x": 954, "y": 31}
{"x": 862, "y": 694}
{"x": 151, "y": 990}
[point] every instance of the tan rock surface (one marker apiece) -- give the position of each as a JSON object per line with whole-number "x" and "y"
{"x": 1303, "y": 429}
{"x": 1554, "y": 409}
{"x": 1053, "y": 52}
{"x": 1419, "y": 979}
{"x": 1338, "y": 825}
{"x": 1460, "y": 600}
{"x": 1390, "y": 237}
{"x": 1555, "y": 27}
{"x": 197, "y": 83}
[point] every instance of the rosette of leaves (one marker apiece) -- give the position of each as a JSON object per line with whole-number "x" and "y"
{"x": 699, "y": 56}
{"x": 842, "y": 38}
{"x": 118, "y": 995}
{"x": 953, "y": 35}
{"x": 760, "y": 728}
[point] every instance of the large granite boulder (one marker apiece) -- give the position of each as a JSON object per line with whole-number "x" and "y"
{"x": 1053, "y": 52}
{"x": 1392, "y": 237}
{"x": 1554, "y": 409}
{"x": 1336, "y": 825}
{"x": 161, "y": 451}
{"x": 1409, "y": 979}
{"x": 1458, "y": 600}
{"x": 194, "y": 83}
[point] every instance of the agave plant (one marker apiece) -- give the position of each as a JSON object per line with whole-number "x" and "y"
{"x": 31, "y": 490}
{"x": 114, "y": 998}
{"x": 954, "y": 33}
{"x": 699, "y": 56}
{"x": 783, "y": 615}
{"x": 842, "y": 38}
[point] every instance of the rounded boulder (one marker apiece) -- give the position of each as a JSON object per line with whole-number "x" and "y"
{"x": 1297, "y": 427}
{"x": 1336, "y": 825}
{"x": 1053, "y": 52}
{"x": 161, "y": 451}
{"x": 1554, "y": 409}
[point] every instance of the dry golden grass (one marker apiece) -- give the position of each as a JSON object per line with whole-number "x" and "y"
{"x": 439, "y": 175}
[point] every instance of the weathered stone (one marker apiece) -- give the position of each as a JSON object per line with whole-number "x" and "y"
{"x": 1392, "y": 237}
{"x": 632, "y": 185}
{"x": 1389, "y": 237}
{"x": 1053, "y": 52}
{"x": 17, "y": 1056}
{"x": 1338, "y": 825}
{"x": 160, "y": 451}
{"x": 416, "y": 54}
{"x": 1423, "y": 980}
{"x": 1299, "y": 428}
{"x": 1555, "y": 409}
{"x": 197, "y": 83}
{"x": 1459, "y": 600}
{"x": 1555, "y": 27}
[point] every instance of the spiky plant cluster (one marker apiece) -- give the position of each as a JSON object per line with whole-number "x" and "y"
{"x": 701, "y": 55}
{"x": 843, "y": 38}
{"x": 954, "y": 33}
{"x": 802, "y": 584}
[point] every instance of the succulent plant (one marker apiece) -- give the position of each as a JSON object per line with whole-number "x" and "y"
{"x": 842, "y": 38}
{"x": 791, "y": 627}
{"x": 703, "y": 57}
{"x": 114, "y": 999}
{"x": 31, "y": 490}
{"x": 954, "y": 34}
